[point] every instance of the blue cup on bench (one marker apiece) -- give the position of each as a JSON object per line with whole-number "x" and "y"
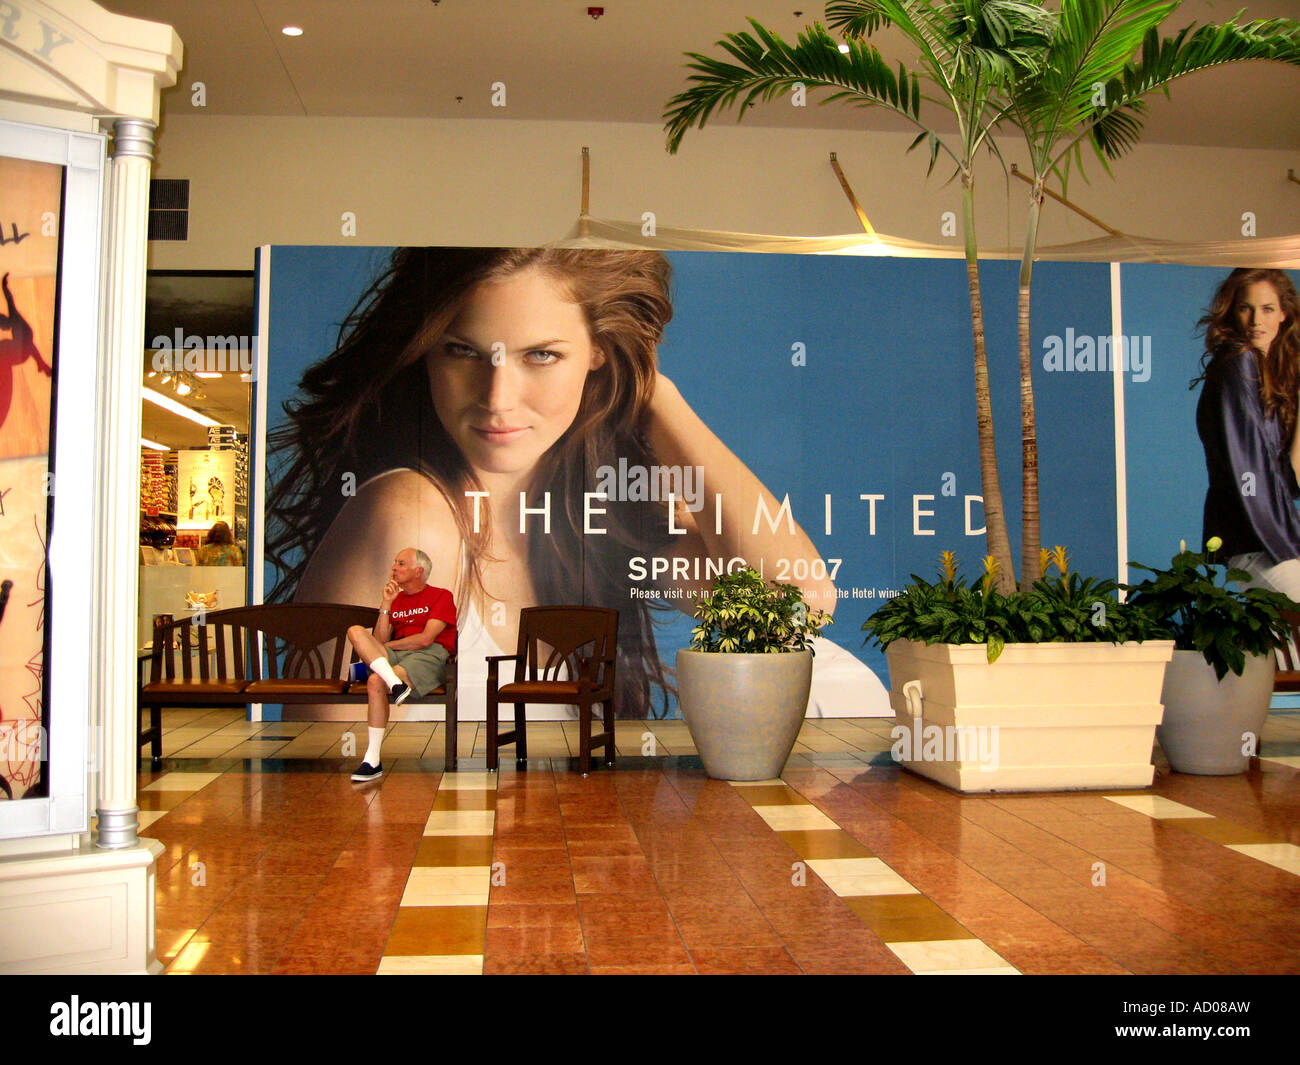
{"x": 358, "y": 672}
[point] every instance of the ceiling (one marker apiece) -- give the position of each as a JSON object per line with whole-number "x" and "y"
{"x": 441, "y": 59}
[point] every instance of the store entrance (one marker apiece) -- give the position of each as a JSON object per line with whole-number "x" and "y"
{"x": 194, "y": 447}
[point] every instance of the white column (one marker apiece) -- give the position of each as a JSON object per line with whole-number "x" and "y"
{"x": 118, "y": 504}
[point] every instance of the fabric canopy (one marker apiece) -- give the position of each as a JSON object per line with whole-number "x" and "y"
{"x": 1280, "y": 252}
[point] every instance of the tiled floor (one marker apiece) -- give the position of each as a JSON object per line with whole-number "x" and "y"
{"x": 276, "y": 863}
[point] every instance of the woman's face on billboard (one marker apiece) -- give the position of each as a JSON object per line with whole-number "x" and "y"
{"x": 508, "y": 373}
{"x": 1259, "y": 313}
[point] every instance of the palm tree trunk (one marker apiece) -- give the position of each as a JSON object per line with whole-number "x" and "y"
{"x": 1031, "y": 566}
{"x": 995, "y": 518}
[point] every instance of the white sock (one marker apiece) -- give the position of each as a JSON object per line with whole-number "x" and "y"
{"x": 384, "y": 668}
{"x": 376, "y": 741}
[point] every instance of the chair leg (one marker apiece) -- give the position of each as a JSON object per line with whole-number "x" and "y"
{"x": 491, "y": 730}
{"x": 451, "y": 723}
{"x": 155, "y": 737}
{"x": 607, "y": 712}
{"x": 584, "y": 738}
{"x": 521, "y": 732}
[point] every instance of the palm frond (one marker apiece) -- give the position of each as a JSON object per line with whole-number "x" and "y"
{"x": 1190, "y": 51}
{"x": 766, "y": 67}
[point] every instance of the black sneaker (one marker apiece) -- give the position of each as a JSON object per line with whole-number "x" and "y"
{"x": 366, "y": 771}
{"x": 399, "y": 693}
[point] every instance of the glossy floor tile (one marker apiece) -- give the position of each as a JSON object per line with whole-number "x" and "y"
{"x": 846, "y": 864}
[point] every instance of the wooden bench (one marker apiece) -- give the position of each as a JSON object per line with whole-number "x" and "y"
{"x": 307, "y": 657}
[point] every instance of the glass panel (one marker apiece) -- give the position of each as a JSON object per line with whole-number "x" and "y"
{"x": 31, "y": 196}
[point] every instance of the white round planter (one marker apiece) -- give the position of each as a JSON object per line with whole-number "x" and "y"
{"x": 1209, "y": 721}
{"x": 744, "y": 711}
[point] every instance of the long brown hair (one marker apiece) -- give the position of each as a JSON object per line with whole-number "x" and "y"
{"x": 1279, "y": 375}
{"x": 376, "y": 376}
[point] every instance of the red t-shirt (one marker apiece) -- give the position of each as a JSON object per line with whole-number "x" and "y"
{"x": 411, "y": 613}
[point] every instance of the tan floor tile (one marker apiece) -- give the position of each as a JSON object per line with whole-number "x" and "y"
{"x": 182, "y": 781}
{"x": 431, "y": 965}
{"x": 860, "y": 876}
{"x": 1156, "y": 806}
{"x": 1285, "y": 856}
{"x": 468, "y": 781}
{"x": 948, "y": 954}
{"x": 789, "y": 818}
{"x": 440, "y": 885}
{"x": 460, "y": 823}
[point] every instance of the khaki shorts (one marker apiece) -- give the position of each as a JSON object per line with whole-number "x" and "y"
{"x": 426, "y": 666}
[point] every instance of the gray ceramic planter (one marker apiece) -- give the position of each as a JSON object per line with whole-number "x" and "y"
{"x": 1206, "y": 719}
{"x": 744, "y": 711}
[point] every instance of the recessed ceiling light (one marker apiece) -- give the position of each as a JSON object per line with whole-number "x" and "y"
{"x": 146, "y": 442}
{"x": 292, "y": 31}
{"x": 169, "y": 404}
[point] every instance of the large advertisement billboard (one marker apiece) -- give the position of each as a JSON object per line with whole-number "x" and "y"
{"x": 615, "y": 427}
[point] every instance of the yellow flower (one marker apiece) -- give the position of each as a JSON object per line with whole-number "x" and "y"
{"x": 949, "y": 563}
{"x": 1060, "y": 559}
{"x": 1213, "y": 544}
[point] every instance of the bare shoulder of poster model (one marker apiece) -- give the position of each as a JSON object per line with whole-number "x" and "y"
{"x": 394, "y": 511}
{"x": 738, "y": 517}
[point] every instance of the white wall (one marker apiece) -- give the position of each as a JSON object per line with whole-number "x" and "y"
{"x": 259, "y": 180}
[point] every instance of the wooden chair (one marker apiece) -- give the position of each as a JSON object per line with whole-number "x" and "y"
{"x": 566, "y": 656}
{"x": 1287, "y": 678}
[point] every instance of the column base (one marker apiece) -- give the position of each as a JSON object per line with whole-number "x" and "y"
{"x": 85, "y": 911}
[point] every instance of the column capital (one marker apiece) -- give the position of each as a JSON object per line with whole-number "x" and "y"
{"x": 133, "y": 137}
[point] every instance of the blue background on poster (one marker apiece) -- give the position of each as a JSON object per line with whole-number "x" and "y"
{"x": 884, "y": 404}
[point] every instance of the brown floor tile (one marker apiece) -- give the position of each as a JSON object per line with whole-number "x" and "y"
{"x": 541, "y": 939}
{"x": 704, "y": 936}
{"x": 719, "y": 961}
{"x": 458, "y": 799}
{"x": 638, "y": 950}
{"x": 643, "y": 970}
{"x": 574, "y": 964}
{"x": 1220, "y": 831}
{"x": 631, "y": 904}
{"x": 628, "y": 874}
{"x": 830, "y": 843}
{"x": 625, "y": 924}
{"x": 438, "y": 930}
{"x": 771, "y": 795}
{"x": 454, "y": 850}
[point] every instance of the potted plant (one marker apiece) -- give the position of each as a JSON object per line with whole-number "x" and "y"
{"x": 743, "y": 684}
{"x": 1054, "y": 688}
{"x": 1218, "y": 687}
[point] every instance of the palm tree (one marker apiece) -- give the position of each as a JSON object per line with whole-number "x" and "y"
{"x": 1091, "y": 85}
{"x": 1061, "y": 81}
{"x": 969, "y": 53}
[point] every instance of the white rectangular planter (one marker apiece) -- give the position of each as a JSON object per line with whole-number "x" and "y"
{"x": 1043, "y": 717}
